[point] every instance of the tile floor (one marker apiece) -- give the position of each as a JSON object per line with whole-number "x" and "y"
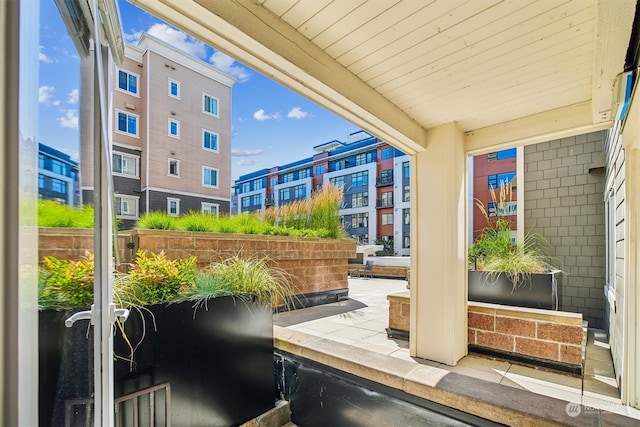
{"x": 361, "y": 322}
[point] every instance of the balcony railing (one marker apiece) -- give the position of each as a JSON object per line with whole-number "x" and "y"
{"x": 381, "y": 203}
{"x": 387, "y": 180}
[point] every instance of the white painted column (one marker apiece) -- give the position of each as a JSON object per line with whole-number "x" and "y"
{"x": 438, "y": 248}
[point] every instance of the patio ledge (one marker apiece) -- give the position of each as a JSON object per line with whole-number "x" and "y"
{"x": 485, "y": 399}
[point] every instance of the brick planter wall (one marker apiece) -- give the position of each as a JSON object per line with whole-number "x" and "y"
{"x": 541, "y": 334}
{"x": 318, "y": 265}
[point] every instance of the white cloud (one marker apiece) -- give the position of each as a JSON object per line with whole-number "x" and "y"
{"x": 247, "y": 162}
{"x": 45, "y": 93}
{"x": 226, "y": 63}
{"x": 56, "y": 103}
{"x": 72, "y": 97}
{"x": 178, "y": 39}
{"x": 261, "y": 116}
{"x": 42, "y": 57}
{"x": 69, "y": 120}
{"x": 241, "y": 153}
{"x": 297, "y": 113}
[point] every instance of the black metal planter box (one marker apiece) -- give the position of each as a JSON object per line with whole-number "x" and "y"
{"x": 538, "y": 290}
{"x": 218, "y": 361}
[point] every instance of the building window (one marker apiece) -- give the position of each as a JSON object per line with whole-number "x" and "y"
{"x": 360, "y": 220}
{"x": 209, "y": 140}
{"x": 257, "y": 200}
{"x": 209, "y": 177}
{"x": 338, "y": 181}
{"x": 300, "y": 191}
{"x": 406, "y": 196}
{"x": 59, "y": 168}
{"x": 126, "y": 207}
{"x": 387, "y": 219}
{"x": 319, "y": 170}
{"x": 500, "y": 180}
{"x": 173, "y": 206}
{"x": 128, "y": 82}
{"x": 246, "y": 187}
{"x": 502, "y": 209}
{"x": 174, "y": 167}
{"x": 125, "y": 165}
{"x": 127, "y": 123}
{"x": 210, "y": 208}
{"x": 303, "y": 173}
{"x": 359, "y": 200}
{"x": 285, "y": 194}
{"x": 174, "y": 88}
{"x": 58, "y": 185}
{"x": 273, "y": 180}
{"x": 386, "y": 199}
{"x": 174, "y": 128}
{"x": 386, "y": 153}
{"x": 386, "y": 177}
{"x": 246, "y": 202}
{"x": 41, "y": 181}
{"x": 510, "y": 153}
{"x": 41, "y": 161}
{"x": 257, "y": 184}
{"x": 406, "y": 241}
{"x": 364, "y": 158}
{"x": 360, "y": 179}
{"x": 405, "y": 170}
{"x": 210, "y": 105}
{"x": 406, "y": 214}
{"x": 286, "y": 177}
{"x": 341, "y": 164}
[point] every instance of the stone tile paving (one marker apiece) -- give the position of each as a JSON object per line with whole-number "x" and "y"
{"x": 361, "y": 322}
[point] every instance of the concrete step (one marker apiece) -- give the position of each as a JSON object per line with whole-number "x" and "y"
{"x": 279, "y": 416}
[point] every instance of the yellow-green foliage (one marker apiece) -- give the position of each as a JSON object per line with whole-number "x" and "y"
{"x": 156, "y": 279}
{"x": 66, "y": 283}
{"x": 55, "y": 214}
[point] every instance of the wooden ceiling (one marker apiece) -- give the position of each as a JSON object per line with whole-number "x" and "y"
{"x": 521, "y": 69}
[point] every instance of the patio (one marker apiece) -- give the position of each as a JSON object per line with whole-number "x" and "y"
{"x": 360, "y": 322}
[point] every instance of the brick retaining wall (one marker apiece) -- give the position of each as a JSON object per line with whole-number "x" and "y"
{"x": 543, "y": 334}
{"x": 318, "y": 265}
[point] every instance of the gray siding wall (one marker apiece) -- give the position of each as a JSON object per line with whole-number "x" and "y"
{"x": 564, "y": 202}
{"x": 158, "y": 202}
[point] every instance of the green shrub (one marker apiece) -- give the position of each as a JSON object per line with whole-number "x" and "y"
{"x": 196, "y": 221}
{"x": 156, "y": 279}
{"x": 157, "y": 220}
{"x": 66, "y": 284}
{"x": 55, "y": 214}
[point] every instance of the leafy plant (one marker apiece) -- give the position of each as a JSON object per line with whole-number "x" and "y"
{"x": 157, "y": 279}
{"x": 196, "y": 221}
{"x": 494, "y": 251}
{"x": 64, "y": 283}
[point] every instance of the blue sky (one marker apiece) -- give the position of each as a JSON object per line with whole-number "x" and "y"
{"x": 271, "y": 124}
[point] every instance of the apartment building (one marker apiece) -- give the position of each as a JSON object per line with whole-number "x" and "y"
{"x": 373, "y": 175}
{"x": 171, "y": 132}
{"x": 57, "y": 176}
{"x": 490, "y": 173}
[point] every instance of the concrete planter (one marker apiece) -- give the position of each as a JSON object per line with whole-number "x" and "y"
{"x": 538, "y": 290}
{"x": 219, "y": 374}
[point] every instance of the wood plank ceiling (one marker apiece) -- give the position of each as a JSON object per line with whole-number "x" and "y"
{"x": 477, "y": 62}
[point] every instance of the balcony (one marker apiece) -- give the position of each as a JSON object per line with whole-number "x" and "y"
{"x": 382, "y": 203}
{"x": 268, "y": 202}
{"x": 384, "y": 181}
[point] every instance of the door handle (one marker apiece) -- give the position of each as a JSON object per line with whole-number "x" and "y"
{"x": 121, "y": 313}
